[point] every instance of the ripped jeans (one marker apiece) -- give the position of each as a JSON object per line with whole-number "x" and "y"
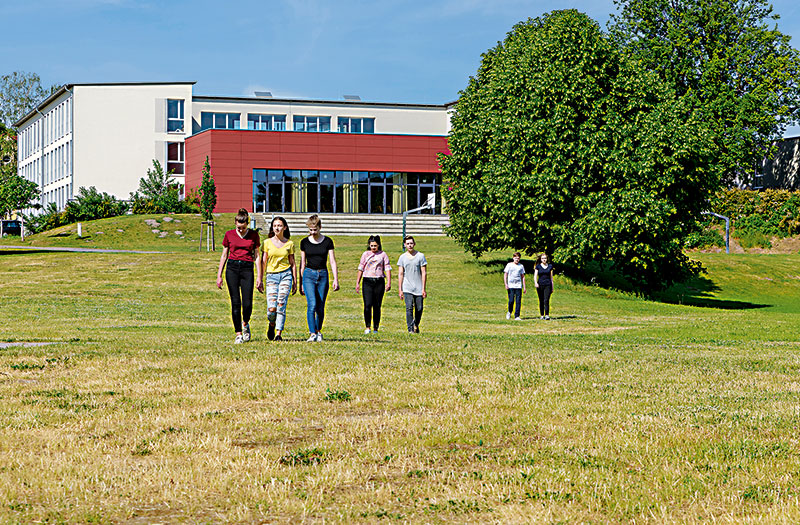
{"x": 279, "y": 286}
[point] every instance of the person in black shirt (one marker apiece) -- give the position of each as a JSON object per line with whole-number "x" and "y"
{"x": 315, "y": 250}
{"x": 543, "y": 278}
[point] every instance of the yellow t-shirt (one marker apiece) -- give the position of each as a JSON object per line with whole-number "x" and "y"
{"x": 278, "y": 258}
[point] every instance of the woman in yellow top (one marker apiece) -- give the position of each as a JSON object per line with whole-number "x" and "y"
{"x": 278, "y": 259}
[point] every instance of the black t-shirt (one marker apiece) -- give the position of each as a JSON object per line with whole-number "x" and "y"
{"x": 544, "y": 273}
{"x": 316, "y": 254}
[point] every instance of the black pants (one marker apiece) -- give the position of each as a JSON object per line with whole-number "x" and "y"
{"x": 239, "y": 277}
{"x": 514, "y": 298}
{"x": 413, "y": 310}
{"x": 373, "y": 289}
{"x": 544, "y": 291}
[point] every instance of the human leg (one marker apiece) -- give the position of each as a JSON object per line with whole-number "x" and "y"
{"x": 322, "y": 296}
{"x": 309, "y": 286}
{"x": 409, "y": 299}
{"x": 510, "y": 299}
{"x": 546, "y": 293}
{"x": 246, "y": 284}
{"x": 272, "y": 282}
{"x": 284, "y": 288}
{"x": 517, "y": 301}
{"x": 368, "y": 293}
{"x": 377, "y": 302}
{"x": 232, "y": 280}
{"x": 418, "y": 305}
{"x": 540, "y": 293}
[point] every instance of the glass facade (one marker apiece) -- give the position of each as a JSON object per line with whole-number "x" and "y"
{"x": 320, "y": 191}
{"x": 210, "y": 120}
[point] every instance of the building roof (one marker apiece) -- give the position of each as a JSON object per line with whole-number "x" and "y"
{"x": 68, "y": 87}
{"x": 206, "y": 98}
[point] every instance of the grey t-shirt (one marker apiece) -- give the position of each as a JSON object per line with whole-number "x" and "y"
{"x": 515, "y": 273}
{"x": 412, "y": 272}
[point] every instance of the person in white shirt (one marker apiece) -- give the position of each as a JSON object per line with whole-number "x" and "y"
{"x": 514, "y": 279}
{"x": 412, "y": 277}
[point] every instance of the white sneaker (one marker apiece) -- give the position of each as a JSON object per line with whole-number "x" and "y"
{"x": 518, "y": 318}
{"x": 546, "y": 317}
{"x": 246, "y": 333}
{"x": 542, "y": 318}
{"x": 239, "y": 340}
{"x": 319, "y": 338}
{"x": 367, "y": 331}
{"x": 312, "y": 339}
{"x": 508, "y": 315}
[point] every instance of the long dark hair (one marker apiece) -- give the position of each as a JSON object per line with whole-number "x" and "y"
{"x": 375, "y": 238}
{"x": 286, "y": 233}
{"x": 242, "y": 217}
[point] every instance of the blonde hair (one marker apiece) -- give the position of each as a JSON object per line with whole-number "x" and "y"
{"x": 314, "y": 221}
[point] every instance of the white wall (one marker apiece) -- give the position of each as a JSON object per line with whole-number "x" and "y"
{"x": 402, "y": 120}
{"x": 120, "y": 129}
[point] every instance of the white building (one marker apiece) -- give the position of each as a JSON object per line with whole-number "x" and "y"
{"x": 107, "y": 135}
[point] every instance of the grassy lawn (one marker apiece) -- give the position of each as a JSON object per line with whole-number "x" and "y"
{"x": 620, "y": 409}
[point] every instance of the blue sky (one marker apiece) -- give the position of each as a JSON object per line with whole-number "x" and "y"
{"x": 392, "y": 51}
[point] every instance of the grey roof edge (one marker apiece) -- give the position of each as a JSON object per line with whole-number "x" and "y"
{"x": 344, "y": 103}
{"x": 66, "y": 87}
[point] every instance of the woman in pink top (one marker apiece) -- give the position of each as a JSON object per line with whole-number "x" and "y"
{"x": 373, "y": 266}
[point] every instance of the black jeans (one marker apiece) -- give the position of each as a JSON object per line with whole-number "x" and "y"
{"x": 372, "y": 290}
{"x": 413, "y": 310}
{"x": 544, "y": 291}
{"x": 514, "y": 297}
{"x": 239, "y": 278}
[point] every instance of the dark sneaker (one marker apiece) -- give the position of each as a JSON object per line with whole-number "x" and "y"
{"x": 278, "y": 338}
{"x": 416, "y": 329}
{"x": 271, "y": 332}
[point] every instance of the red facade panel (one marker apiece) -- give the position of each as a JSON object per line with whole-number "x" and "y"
{"x": 233, "y": 154}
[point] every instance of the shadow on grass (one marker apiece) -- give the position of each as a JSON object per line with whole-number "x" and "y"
{"x": 696, "y": 291}
{"x": 12, "y": 251}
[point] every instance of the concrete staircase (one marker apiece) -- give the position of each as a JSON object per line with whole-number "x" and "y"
{"x": 357, "y": 224}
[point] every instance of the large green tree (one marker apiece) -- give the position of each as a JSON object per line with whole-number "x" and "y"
{"x": 727, "y": 59}
{"x": 19, "y": 94}
{"x": 559, "y": 144}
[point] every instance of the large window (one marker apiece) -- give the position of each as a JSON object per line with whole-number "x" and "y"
{"x": 219, "y": 120}
{"x": 175, "y": 157}
{"x": 174, "y": 116}
{"x": 266, "y": 122}
{"x": 307, "y": 191}
{"x": 356, "y": 125}
{"x": 304, "y": 123}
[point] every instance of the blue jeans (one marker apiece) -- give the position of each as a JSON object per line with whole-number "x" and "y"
{"x": 315, "y": 286}
{"x": 279, "y": 285}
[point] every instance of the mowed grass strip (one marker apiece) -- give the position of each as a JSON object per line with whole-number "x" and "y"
{"x": 618, "y": 409}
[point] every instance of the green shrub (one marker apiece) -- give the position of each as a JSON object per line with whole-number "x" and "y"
{"x": 158, "y": 193}
{"x": 88, "y": 205}
{"x": 704, "y": 238}
{"x": 753, "y": 239}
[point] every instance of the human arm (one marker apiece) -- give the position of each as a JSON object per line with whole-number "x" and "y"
{"x": 505, "y": 279}
{"x": 302, "y": 268}
{"x": 524, "y": 289}
{"x": 259, "y": 275}
{"x": 388, "y": 273}
{"x": 294, "y": 273}
{"x": 222, "y": 259}
{"x": 400, "y": 281}
{"x": 536, "y": 278}
{"x": 334, "y": 269}
{"x": 424, "y": 274}
{"x": 359, "y": 273}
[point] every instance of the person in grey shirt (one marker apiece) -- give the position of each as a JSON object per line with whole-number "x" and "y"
{"x": 413, "y": 276}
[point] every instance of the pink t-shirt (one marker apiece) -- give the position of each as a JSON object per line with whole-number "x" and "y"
{"x": 374, "y": 264}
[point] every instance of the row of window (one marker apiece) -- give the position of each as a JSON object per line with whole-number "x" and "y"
{"x": 56, "y": 164}
{"x": 56, "y": 123}
{"x": 342, "y": 191}
{"x": 312, "y": 123}
{"x": 58, "y": 195}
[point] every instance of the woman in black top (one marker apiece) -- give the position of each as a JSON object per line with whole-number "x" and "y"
{"x": 543, "y": 279}
{"x": 315, "y": 250}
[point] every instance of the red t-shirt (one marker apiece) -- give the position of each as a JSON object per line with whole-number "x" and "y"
{"x": 241, "y": 248}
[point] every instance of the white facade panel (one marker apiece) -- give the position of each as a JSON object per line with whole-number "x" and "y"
{"x": 120, "y": 130}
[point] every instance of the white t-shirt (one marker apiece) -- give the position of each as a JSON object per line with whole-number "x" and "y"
{"x": 515, "y": 273}
{"x": 412, "y": 272}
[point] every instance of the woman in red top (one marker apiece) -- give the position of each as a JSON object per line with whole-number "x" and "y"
{"x": 240, "y": 246}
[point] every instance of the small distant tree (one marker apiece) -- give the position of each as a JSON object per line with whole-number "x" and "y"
{"x": 16, "y": 192}
{"x": 208, "y": 193}
{"x": 158, "y": 193}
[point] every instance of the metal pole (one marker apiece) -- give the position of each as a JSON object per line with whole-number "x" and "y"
{"x": 727, "y": 228}
{"x": 405, "y": 216}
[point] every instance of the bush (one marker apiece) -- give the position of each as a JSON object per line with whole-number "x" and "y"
{"x": 704, "y": 238}
{"x": 158, "y": 193}
{"x": 89, "y": 205}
